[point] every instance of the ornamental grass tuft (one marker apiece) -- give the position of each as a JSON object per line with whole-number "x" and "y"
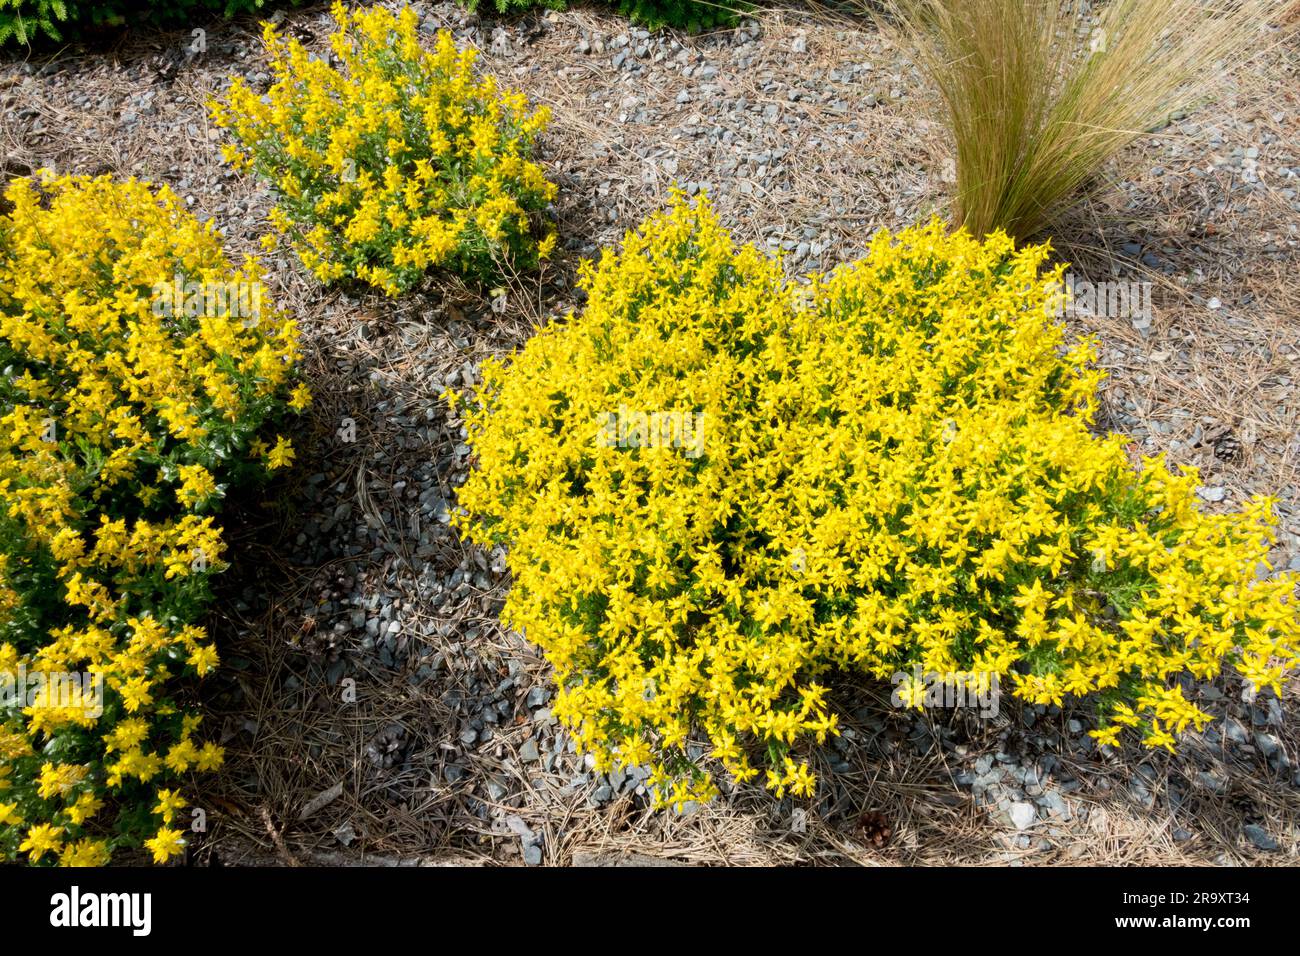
{"x": 1040, "y": 95}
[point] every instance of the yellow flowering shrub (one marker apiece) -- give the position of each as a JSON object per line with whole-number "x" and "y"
{"x": 129, "y": 402}
{"x": 397, "y": 160}
{"x": 718, "y": 488}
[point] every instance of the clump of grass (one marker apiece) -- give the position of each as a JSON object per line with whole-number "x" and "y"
{"x": 1040, "y": 94}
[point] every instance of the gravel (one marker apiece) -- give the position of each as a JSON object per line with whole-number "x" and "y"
{"x": 1022, "y": 815}
{"x": 806, "y": 137}
{"x": 1259, "y": 837}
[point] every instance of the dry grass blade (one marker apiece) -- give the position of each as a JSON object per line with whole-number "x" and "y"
{"x": 1039, "y": 95}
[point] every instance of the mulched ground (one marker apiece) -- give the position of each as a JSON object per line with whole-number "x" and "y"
{"x": 373, "y": 708}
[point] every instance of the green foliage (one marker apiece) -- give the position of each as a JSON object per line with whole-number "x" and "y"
{"x": 28, "y": 21}
{"x": 691, "y": 15}
{"x": 140, "y": 371}
{"x": 398, "y": 161}
{"x": 717, "y": 488}
{"x": 513, "y": 6}
{"x": 23, "y": 21}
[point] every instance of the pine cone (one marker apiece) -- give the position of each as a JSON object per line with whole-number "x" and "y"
{"x": 876, "y": 828}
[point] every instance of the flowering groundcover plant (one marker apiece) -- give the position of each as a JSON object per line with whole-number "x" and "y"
{"x": 400, "y": 161}
{"x": 126, "y": 413}
{"x": 897, "y": 469}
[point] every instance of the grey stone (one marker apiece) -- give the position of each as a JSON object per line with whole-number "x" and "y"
{"x": 1259, "y": 836}
{"x": 1234, "y": 731}
{"x": 1022, "y": 815}
{"x": 1209, "y": 781}
{"x": 1267, "y": 744}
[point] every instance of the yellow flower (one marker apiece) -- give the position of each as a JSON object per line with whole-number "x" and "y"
{"x": 299, "y": 398}
{"x": 716, "y": 486}
{"x": 85, "y": 852}
{"x": 165, "y": 844}
{"x": 58, "y": 780}
{"x": 182, "y": 756}
{"x": 127, "y": 735}
{"x": 210, "y": 757}
{"x": 281, "y": 455}
{"x": 85, "y": 807}
{"x": 169, "y": 804}
{"x": 158, "y": 372}
{"x": 396, "y": 160}
{"x": 136, "y": 694}
{"x": 41, "y": 839}
{"x": 197, "y": 485}
{"x": 203, "y": 659}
